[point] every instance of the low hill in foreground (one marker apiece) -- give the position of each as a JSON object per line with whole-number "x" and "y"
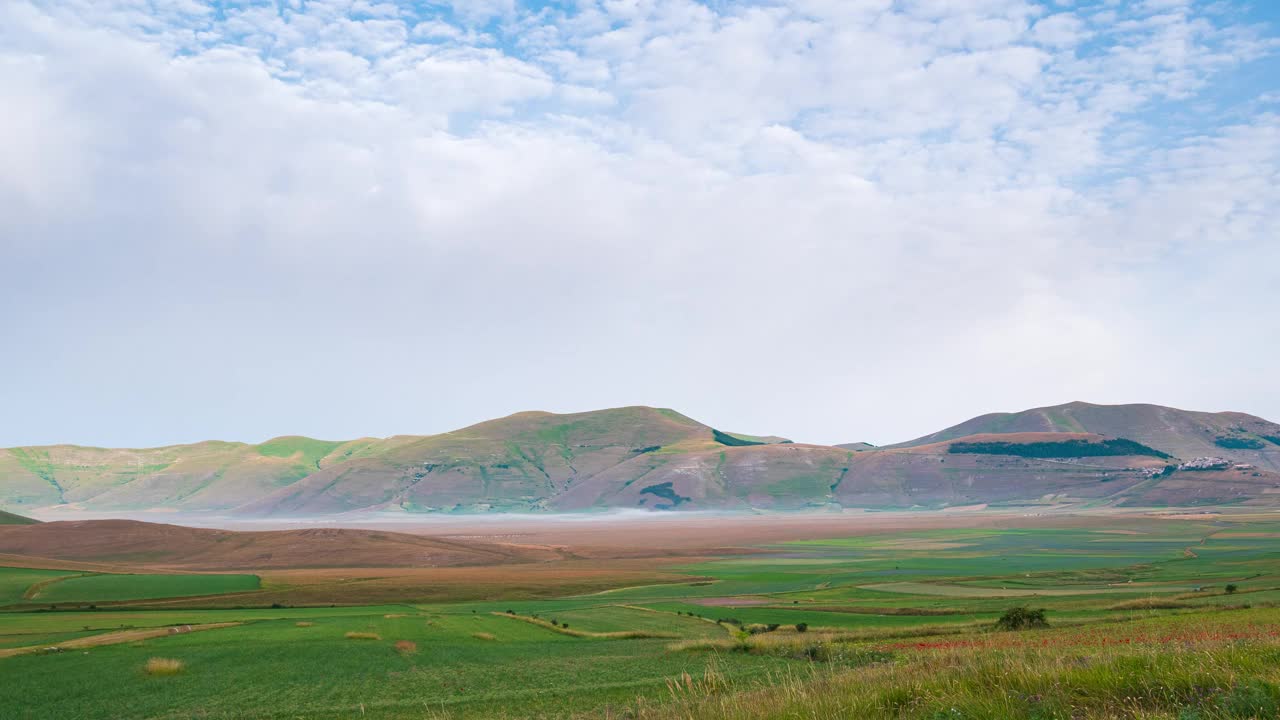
{"x": 658, "y": 459}
{"x": 172, "y": 546}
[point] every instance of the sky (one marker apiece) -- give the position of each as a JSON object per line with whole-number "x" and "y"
{"x": 833, "y": 220}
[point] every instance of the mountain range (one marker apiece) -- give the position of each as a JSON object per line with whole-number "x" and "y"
{"x": 1078, "y": 454}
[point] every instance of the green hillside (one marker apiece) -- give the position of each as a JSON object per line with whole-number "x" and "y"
{"x": 1180, "y": 433}
{"x": 654, "y": 458}
{"x": 7, "y": 518}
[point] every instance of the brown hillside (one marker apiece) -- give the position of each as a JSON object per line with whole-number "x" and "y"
{"x": 174, "y": 546}
{"x": 1182, "y": 433}
{"x": 653, "y": 459}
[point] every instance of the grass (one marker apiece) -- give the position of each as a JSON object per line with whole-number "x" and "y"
{"x": 104, "y": 588}
{"x": 1212, "y": 667}
{"x": 1130, "y": 637}
{"x": 164, "y": 666}
{"x": 14, "y": 582}
{"x": 574, "y": 632}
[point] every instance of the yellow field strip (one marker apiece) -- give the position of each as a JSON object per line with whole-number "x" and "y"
{"x": 115, "y": 638}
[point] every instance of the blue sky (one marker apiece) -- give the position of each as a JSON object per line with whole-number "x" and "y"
{"x": 834, "y": 220}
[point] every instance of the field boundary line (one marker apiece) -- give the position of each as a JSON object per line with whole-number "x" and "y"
{"x": 617, "y": 635}
{"x": 36, "y": 588}
{"x": 116, "y": 638}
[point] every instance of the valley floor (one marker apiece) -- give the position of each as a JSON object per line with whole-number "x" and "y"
{"x": 1149, "y": 617}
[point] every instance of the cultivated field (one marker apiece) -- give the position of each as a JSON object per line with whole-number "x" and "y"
{"x": 881, "y": 616}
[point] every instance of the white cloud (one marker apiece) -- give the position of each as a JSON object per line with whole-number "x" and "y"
{"x": 834, "y": 220}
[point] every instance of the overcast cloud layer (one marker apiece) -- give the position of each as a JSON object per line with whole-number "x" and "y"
{"x": 835, "y": 220}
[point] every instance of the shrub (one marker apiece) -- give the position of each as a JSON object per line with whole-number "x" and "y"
{"x": 1057, "y": 449}
{"x": 1021, "y": 618}
{"x": 802, "y": 627}
{"x": 363, "y": 636}
{"x": 1238, "y": 443}
{"x": 1231, "y": 588}
{"x": 164, "y": 666}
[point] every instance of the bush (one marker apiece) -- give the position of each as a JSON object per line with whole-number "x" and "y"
{"x": 1021, "y": 618}
{"x": 1057, "y": 449}
{"x": 1231, "y": 588}
{"x": 1238, "y": 443}
{"x": 802, "y": 627}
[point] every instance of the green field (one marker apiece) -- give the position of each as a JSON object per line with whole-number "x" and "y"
{"x": 95, "y": 588}
{"x": 15, "y": 582}
{"x": 894, "y": 625}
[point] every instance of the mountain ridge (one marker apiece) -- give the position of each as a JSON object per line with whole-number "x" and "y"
{"x": 657, "y": 458}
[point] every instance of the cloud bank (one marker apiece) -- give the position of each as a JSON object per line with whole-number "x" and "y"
{"x": 838, "y": 221}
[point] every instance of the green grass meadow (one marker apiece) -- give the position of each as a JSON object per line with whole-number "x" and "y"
{"x": 109, "y": 587}
{"x": 895, "y": 626}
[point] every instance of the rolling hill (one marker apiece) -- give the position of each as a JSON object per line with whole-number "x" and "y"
{"x": 1180, "y": 433}
{"x": 183, "y": 548}
{"x": 11, "y": 519}
{"x": 658, "y": 459}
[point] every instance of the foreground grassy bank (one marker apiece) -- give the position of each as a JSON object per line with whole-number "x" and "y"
{"x": 1191, "y": 666}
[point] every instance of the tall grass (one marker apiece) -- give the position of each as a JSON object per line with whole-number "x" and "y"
{"x": 1177, "y": 668}
{"x": 164, "y": 666}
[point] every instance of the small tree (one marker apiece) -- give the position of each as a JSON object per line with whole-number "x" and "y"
{"x": 802, "y": 627}
{"x": 1231, "y": 589}
{"x": 1021, "y": 618}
